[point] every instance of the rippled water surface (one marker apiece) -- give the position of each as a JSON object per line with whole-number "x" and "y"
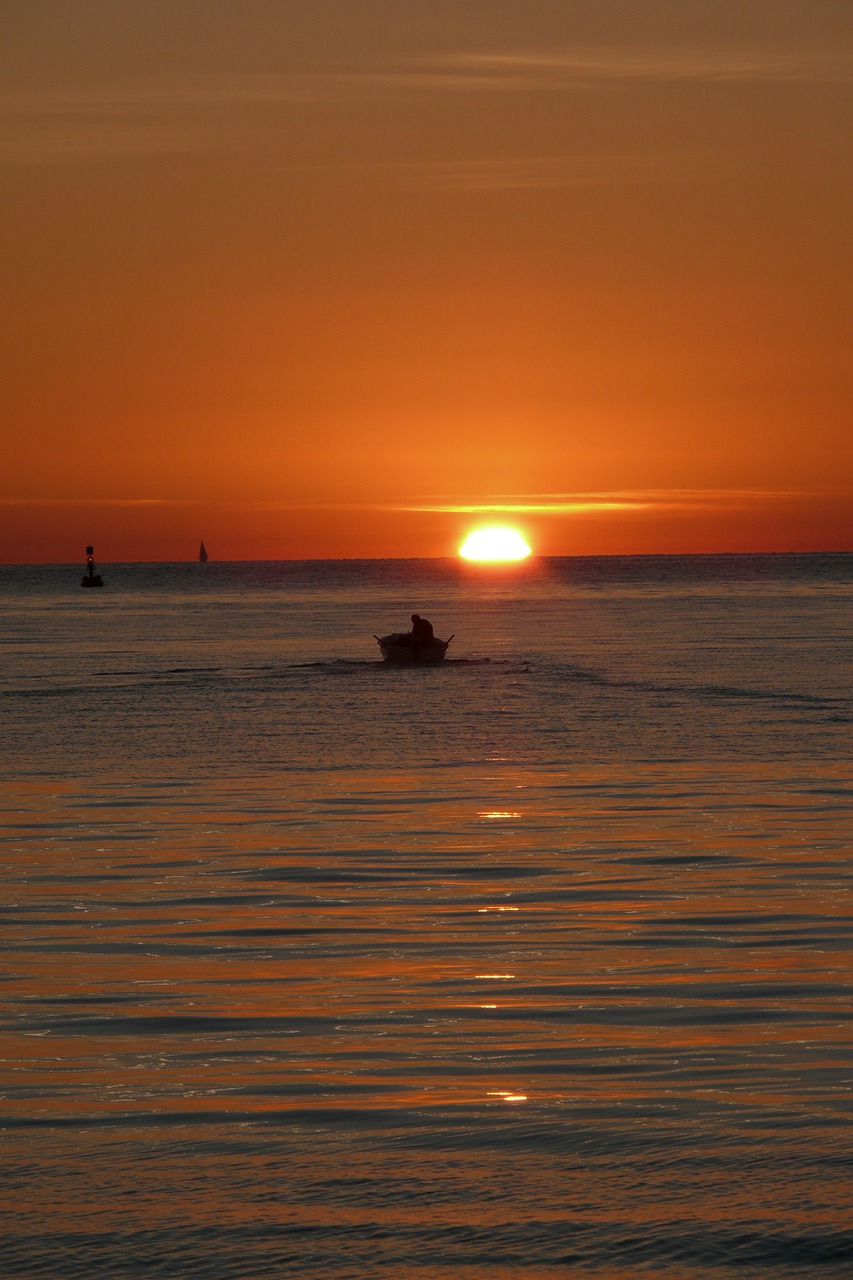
{"x": 535, "y": 964}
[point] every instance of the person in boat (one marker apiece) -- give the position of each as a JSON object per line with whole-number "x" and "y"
{"x": 421, "y": 635}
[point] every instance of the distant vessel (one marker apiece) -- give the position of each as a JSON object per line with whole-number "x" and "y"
{"x": 202, "y": 553}
{"x": 91, "y": 579}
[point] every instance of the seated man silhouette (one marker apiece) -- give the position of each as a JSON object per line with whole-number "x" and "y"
{"x": 421, "y": 635}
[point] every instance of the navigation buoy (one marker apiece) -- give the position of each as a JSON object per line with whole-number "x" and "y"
{"x": 91, "y": 579}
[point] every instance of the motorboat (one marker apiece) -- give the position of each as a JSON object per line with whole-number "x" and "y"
{"x": 398, "y": 649}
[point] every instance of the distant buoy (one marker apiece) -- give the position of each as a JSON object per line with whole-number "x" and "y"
{"x": 91, "y": 578}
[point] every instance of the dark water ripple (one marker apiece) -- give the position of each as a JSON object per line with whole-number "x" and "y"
{"x": 370, "y": 1248}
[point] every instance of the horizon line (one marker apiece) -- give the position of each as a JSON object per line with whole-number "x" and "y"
{"x": 454, "y": 557}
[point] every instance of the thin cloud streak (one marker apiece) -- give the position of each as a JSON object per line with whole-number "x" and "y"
{"x": 531, "y": 69}
{"x": 644, "y": 500}
{"x": 531, "y": 508}
{"x": 518, "y": 504}
{"x": 93, "y": 502}
{"x": 450, "y": 71}
{"x": 76, "y": 125}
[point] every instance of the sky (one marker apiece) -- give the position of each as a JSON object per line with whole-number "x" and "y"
{"x": 349, "y": 278}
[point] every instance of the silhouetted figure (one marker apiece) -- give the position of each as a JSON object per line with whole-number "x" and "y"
{"x": 422, "y": 631}
{"x": 421, "y": 635}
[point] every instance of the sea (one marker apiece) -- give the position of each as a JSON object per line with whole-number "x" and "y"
{"x": 532, "y": 965}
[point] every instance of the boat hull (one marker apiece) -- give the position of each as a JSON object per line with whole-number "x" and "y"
{"x": 398, "y": 653}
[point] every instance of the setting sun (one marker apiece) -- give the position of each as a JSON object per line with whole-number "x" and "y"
{"x": 497, "y": 542}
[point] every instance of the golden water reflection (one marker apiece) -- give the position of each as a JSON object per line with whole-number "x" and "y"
{"x": 672, "y": 941}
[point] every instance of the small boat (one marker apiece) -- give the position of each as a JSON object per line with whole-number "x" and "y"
{"x": 202, "y": 553}
{"x": 397, "y": 649}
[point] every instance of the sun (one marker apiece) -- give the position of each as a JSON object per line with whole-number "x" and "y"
{"x": 495, "y": 542}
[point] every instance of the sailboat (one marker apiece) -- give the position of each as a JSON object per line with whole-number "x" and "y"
{"x": 202, "y": 552}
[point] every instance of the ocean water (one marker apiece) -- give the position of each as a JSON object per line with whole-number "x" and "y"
{"x": 536, "y": 964}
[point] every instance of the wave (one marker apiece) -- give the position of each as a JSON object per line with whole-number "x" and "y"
{"x": 721, "y": 692}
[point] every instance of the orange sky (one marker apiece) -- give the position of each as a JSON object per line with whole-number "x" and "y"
{"x": 331, "y": 279}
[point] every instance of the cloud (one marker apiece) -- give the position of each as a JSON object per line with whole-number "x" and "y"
{"x": 68, "y": 130}
{"x": 215, "y": 113}
{"x": 579, "y": 504}
{"x": 558, "y": 504}
{"x": 623, "y": 500}
{"x": 89, "y": 502}
{"x": 554, "y": 69}
{"x": 73, "y": 126}
{"x": 229, "y": 110}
